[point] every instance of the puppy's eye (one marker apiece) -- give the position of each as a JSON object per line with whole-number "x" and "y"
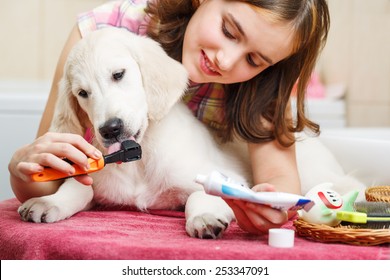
{"x": 82, "y": 93}
{"x": 118, "y": 75}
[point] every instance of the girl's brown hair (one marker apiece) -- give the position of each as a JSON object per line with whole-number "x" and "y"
{"x": 266, "y": 96}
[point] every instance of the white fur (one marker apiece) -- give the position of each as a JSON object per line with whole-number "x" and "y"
{"x": 317, "y": 165}
{"x": 176, "y": 147}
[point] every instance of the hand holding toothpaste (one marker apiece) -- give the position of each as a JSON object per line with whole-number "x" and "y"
{"x": 220, "y": 185}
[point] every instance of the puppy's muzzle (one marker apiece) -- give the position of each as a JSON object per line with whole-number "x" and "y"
{"x": 111, "y": 129}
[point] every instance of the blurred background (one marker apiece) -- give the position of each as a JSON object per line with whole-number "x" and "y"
{"x": 349, "y": 92}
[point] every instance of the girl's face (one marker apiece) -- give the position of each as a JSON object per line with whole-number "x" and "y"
{"x": 230, "y": 41}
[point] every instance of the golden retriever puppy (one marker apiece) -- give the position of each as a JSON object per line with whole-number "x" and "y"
{"x": 124, "y": 86}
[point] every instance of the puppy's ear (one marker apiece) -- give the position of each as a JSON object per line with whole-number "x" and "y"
{"x": 165, "y": 80}
{"x": 68, "y": 116}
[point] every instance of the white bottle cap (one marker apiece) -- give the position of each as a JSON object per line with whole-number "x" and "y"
{"x": 201, "y": 179}
{"x": 281, "y": 237}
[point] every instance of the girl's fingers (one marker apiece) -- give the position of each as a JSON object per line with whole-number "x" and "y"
{"x": 241, "y": 217}
{"x": 265, "y": 187}
{"x": 52, "y": 159}
{"x": 52, "y": 155}
{"x": 49, "y": 150}
{"x": 74, "y": 140}
{"x": 83, "y": 145}
{"x": 269, "y": 218}
{"x": 84, "y": 179}
{"x": 274, "y": 216}
{"x": 257, "y": 222}
{"x": 256, "y": 218}
{"x": 29, "y": 167}
{"x": 77, "y": 150}
{"x": 24, "y": 170}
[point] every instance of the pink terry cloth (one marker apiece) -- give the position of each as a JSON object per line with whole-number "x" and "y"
{"x": 125, "y": 234}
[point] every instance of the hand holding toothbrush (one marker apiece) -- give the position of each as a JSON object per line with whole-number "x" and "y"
{"x": 49, "y": 150}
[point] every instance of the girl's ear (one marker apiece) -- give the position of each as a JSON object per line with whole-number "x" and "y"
{"x": 165, "y": 80}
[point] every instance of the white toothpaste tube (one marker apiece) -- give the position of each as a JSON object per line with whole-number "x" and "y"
{"x": 220, "y": 185}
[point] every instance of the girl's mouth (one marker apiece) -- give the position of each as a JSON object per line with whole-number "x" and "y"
{"x": 206, "y": 65}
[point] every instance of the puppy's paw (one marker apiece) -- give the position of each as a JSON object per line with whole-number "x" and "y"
{"x": 41, "y": 210}
{"x": 206, "y": 226}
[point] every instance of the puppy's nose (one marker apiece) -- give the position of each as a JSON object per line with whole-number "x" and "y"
{"x": 111, "y": 128}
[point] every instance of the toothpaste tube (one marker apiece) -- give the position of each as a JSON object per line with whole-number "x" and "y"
{"x": 220, "y": 185}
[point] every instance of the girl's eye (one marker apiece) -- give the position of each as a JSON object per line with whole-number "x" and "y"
{"x": 226, "y": 32}
{"x": 251, "y": 61}
{"x": 117, "y": 76}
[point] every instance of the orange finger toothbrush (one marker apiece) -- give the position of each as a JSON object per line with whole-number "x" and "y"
{"x": 130, "y": 151}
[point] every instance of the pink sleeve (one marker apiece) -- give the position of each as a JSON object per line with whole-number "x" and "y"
{"x": 127, "y": 14}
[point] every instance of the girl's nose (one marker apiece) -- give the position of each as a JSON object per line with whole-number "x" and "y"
{"x": 226, "y": 59}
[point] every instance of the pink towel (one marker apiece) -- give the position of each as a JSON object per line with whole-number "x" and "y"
{"x": 125, "y": 234}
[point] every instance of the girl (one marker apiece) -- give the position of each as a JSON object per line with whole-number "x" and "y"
{"x": 243, "y": 59}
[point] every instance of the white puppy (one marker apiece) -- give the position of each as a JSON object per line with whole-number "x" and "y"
{"x": 115, "y": 80}
{"x": 124, "y": 86}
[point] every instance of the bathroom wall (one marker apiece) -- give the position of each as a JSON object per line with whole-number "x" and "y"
{"x": 33, "y": 33}
{"x": 358, "y": 54}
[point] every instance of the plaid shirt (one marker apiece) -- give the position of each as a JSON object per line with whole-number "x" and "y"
{"x": 128, "y": 14}
{"x": 204, "y": 100}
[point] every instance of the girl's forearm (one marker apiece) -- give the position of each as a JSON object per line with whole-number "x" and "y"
{"x": 275, "y": 165}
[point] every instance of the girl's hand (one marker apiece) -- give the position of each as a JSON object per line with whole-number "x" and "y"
{"x": 49, "y": 150}
{"x": 257, "y": 218}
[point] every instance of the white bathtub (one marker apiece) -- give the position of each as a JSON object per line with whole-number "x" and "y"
{"x": 375, "y": 133}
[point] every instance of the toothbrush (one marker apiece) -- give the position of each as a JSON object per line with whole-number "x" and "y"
{"x": 130, "y": 151}
{"x": 359, "y": 217}
{"x": 220, "y": 185}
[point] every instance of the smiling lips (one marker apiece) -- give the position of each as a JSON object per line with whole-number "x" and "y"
{"x": 206, "y": 65}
